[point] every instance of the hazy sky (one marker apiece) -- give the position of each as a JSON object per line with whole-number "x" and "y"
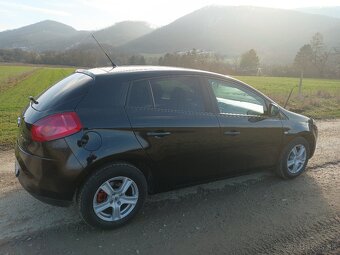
{"x": 97, "y": 14}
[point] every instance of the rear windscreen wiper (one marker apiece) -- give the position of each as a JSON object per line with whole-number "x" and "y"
{"x": 33, "y": 100}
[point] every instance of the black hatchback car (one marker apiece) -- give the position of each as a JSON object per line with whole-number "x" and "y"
{"x": 107, "y": 137}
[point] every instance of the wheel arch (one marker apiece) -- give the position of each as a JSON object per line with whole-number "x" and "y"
{"x": 141, "y": 164}
{"x": 311, "y": 142}
{"x": 307, "y": 136}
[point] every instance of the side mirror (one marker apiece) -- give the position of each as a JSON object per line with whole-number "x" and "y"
{"x": 274, "y": 110}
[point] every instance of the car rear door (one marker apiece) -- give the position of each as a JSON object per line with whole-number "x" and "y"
{"x": 249, "y": 137}
{"x": 170, "y": 119}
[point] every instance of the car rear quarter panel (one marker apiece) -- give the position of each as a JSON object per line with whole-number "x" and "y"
{"x": 117, "y": 145}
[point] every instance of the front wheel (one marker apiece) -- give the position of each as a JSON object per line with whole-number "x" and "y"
{"x": 294, "y": 159}
{"x": 112, "y": 196}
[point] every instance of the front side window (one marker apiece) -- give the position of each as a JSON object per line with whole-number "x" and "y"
{"x": 178, "y": 93}
{"x": 235, "y": 100}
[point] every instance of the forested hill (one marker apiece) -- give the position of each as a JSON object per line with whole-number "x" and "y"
{"x": 275, "y": 33}
{"x": 56, "y": 36}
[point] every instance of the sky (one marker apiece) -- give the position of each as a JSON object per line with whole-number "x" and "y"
{"x": 98, "y": 14}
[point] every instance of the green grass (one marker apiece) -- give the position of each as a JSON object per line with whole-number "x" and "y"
{"x": 10, "y": 75}
{"x": 321, "y": 98}
{"x": 10, "y": 71}
{"x": 13, "y": 100}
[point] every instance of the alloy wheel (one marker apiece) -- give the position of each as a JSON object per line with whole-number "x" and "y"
{"x": 115, "y": 199}
{"x": 296, "y": 159}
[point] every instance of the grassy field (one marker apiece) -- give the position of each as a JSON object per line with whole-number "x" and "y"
{"x": 10, "y": 71}
{"x": 17, "y": 84}
{"x": 11, "y": 75}
{"x": 321, "y": 98}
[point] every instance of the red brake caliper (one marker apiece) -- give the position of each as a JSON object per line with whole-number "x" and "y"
{"x": 101, "y": 196}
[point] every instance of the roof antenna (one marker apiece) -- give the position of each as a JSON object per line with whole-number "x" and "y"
{"x": 113, "y": 64}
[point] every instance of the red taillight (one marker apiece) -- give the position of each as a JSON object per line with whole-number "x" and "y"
{"x": 56, "y": 126}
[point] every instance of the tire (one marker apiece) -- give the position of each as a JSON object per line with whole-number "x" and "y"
{"x": 103, "y": 207}
{"x": 289, "y": 165}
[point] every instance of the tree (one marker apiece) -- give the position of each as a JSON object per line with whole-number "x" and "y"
{"x": 320, "y": 53}
{"x": 337, "y": 59}
{"x": 302, "y": 61}
{"x": 136, "y": 60}
{"x": 197, "y": 59}
{"x": 235, "y": 63}
{"x": 249, "y": 62}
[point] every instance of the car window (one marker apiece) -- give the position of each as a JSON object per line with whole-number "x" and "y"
{"x": 64, "y": 91}
{"x": 140, "y": 94}
{"x": 179, "y": 93}
{"x": 236, "y": 100}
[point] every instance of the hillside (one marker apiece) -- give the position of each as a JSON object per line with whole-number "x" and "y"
{"x": 52, "y": 35}
{"x": 332, "y": 11}
{"x": 123, "y": 32}
{"x": 39, "y": 36}
{"x": 276, "y": 34}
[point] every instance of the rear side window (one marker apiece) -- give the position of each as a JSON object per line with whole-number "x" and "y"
{"x": 140, "y": 94}
{"x": 72, "y": 88}
{"x": 107, "y": 92}
{"x": 178, "y": 93}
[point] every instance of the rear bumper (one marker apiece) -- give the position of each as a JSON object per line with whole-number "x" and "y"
{"x": 48, "y": 200}
{"x": 50, "y": 180}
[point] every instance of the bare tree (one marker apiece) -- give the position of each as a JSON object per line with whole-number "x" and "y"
{"x": 302, "y": 61}
{"x": 235, "y": 63}
{"x": 320, "y": 53}
{"x": 337, "y": 58}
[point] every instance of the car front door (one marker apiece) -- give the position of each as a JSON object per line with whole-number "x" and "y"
{"x": 170, "y": 119}
{"x": 249, "y": 137}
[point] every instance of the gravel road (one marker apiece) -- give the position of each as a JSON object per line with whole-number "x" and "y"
{"x": 252, "y": 214}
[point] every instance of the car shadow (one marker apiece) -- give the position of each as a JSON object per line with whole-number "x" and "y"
{"x": 237, "y": 214}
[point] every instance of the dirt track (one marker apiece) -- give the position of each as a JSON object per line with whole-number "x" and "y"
{"x": 257, "y": 213}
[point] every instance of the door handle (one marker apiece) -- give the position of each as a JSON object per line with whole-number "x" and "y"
{"x": 232, "y": 133}
{"x": 158, "y": 134}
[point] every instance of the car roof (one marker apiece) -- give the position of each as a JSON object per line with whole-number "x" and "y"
{"x": 151, "y": 70}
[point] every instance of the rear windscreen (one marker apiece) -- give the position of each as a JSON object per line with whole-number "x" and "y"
{"x": 72, "y": 88}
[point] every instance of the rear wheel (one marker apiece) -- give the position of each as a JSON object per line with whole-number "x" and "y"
{"x": 112, "y": 196}
{"x": 294, "y": 159}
